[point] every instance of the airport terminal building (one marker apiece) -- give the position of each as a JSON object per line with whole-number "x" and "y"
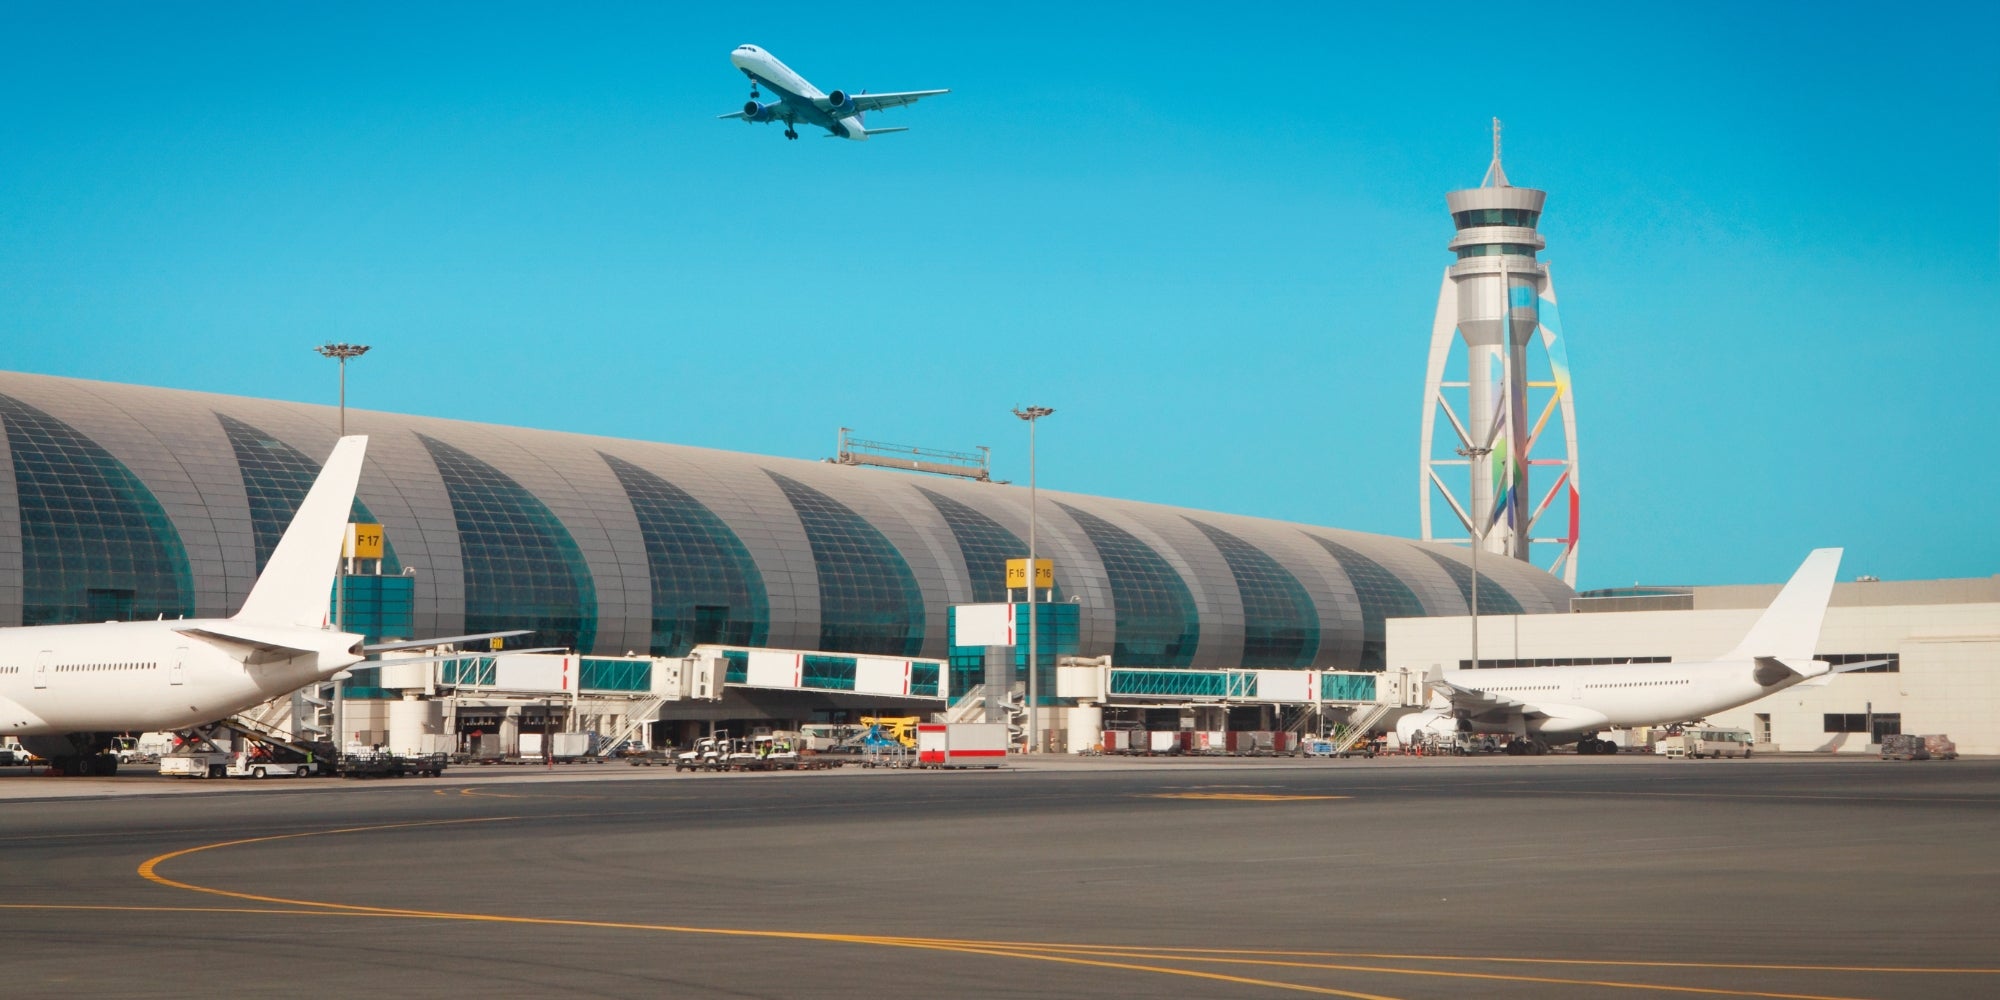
{"x": 128, "y": 502}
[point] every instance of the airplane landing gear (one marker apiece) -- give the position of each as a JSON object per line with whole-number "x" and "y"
{"x": 791, "y": 133}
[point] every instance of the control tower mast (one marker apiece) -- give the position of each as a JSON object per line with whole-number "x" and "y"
{"x": 1497, "y": 299}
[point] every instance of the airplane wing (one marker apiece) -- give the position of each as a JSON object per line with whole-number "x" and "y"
{"x": 864, "y": 103}
{"x": 449, "y": 640}
{"x": 1474, "y": 703}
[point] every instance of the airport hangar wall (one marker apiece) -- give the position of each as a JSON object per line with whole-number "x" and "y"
{"x": 1947, "y": 678}
{"x": 155, "y": 501}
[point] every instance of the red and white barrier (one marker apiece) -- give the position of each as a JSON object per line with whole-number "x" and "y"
{"x": 961, "y": 744}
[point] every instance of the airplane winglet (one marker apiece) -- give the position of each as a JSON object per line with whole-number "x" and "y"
{"x": 298, "y": 580}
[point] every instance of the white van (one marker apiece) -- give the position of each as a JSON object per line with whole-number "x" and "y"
{"x": 1708, "y": 742}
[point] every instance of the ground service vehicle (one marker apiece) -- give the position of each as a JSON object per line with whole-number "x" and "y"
{"x": 710, "y": 753}
{"x": 13, "y": 753}
{"x": 1693, "y": 742}
{"x": 901, "y": 729}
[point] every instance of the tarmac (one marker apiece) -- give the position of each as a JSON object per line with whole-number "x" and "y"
{"x": 1559, "y": 876}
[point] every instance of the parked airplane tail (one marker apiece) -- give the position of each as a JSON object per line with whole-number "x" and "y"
{"x": 1789, "y": 628}
{"x": 298, "y": 580}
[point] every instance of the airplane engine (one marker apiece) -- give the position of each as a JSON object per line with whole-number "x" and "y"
{"x": 1436, "y": 722}
{"x": 755, "y": 112}
{"x": 841, "y": 103}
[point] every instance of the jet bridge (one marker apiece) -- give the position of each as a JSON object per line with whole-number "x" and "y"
{"x": 427, "y": 702}
{"x": 1112, "y": 686}
{"x": 1366, "y": 697}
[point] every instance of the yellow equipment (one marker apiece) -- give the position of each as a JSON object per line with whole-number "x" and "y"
{"x": 902, "y": 728}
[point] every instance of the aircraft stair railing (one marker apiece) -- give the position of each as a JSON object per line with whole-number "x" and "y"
{"x": 971, "y": 708}
{"x": 1358, "y": 728}
{"x": 261, "y": 730}
{"x": 1306, "y": 719}
{"x": 639, "y": 714}
{"x": 258, "y": 732}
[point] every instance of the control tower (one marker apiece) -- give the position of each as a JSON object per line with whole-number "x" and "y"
{"x": 1503, "y": 402}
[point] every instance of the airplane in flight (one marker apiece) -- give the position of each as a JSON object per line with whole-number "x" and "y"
{"x": 66, "y": 690}
{"x": 1542, "y": 705}
{"x": 841, "y": 114}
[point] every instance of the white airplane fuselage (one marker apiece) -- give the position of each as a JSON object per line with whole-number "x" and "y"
{"x": 1559, "y": 700}
{"x": 154, "y": 675}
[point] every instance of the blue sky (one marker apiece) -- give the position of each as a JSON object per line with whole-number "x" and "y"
{"x": 1210, "y": 239}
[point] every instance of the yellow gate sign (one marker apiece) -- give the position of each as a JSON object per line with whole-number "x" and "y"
{"x": 1017, "y": 574}
{"x": 365, "y": 542}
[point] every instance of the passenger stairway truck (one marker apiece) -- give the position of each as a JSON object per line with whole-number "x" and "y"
{"x": 961, "y": 744}
{"x": 1356, "y": 738}
{"x": 202, "y": 757}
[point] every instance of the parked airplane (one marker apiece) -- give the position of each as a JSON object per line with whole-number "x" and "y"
{"x": 1559, "y": 704}
{"x": 840, "y": 113}
{"x": 67, "y": 689}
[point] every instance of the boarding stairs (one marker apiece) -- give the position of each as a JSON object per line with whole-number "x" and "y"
{"x": 1359, "y": 726}
{"x": 637, "y": 715}
{"x": 261, "y": 732}
{"x": 970, "y": 708}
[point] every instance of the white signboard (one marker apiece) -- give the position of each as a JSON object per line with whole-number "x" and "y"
{"x": 985, "y": 624}
{"x": 874, "y": 675}
{"x": 1284, "y": 685}
{"x": 533, "y": 672}
{"x": 774, "y": 670}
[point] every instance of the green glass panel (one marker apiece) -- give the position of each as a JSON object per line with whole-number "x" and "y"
{"x": 94, "y": 539}
{"x": 522, "y": 568}
{"x": 869, "y": 601}
{"x": 1156, "y": 617}
{"x": 1347, "y": 687}
{"x": 1280, "y": 624}
{"x": 1493, "y": 598}
{"x": 705, "y": 586}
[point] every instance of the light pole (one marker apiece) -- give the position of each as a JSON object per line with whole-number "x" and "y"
{"x": 1032, "y": 414}
{"x": 1478, "y": 525}
{"x": 341, "y": 352}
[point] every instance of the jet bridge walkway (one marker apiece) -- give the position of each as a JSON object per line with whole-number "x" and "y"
{"x": 1115, "y": 686}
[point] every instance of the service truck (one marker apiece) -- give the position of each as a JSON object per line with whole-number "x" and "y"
{"x": 13, "y": 754}
{"x": 206, "y": 759}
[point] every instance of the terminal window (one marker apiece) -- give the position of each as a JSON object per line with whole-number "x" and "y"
{"x": 1894, "y": 666}
{"x": 1877, "y": 725}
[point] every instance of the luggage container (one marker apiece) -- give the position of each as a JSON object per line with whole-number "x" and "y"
{"x": 1164, "y": 741}
{"x": 1905, "y": 746}
{"x": 961, "y": 744}
{"x": 572, "y": 746}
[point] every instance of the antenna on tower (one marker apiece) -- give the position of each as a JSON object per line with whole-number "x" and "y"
{"x": 1495, "y": 177}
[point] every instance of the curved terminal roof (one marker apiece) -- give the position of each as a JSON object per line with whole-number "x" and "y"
{"x": 127, "y": 501}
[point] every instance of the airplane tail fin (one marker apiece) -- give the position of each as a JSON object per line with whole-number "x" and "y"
{"x": 298, "y": 580}
{"x": 1789, "y": 628}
